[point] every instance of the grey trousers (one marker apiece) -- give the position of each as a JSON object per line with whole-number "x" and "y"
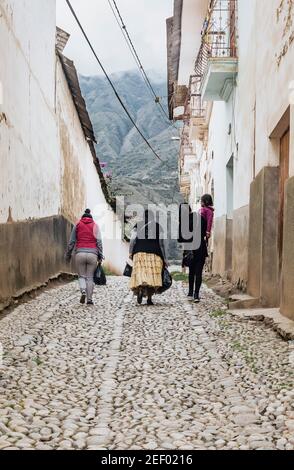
{"x": 86, "y": 264}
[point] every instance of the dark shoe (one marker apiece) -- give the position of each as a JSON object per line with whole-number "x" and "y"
{"x": 90, "y": 302}
{"x": 140, "y": 297}
{"x": 150, "y": 302}
{"x": 196, "y": 300}
{"x": 83, "y": 297}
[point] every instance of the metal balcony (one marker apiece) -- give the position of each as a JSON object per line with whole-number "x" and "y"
{"x": 217, "y": 61}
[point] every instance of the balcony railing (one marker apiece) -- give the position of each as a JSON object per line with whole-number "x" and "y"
{"x": 193, "y": 104}
{"x": 219, "y": 29}
{"x": 197, "y": 108}
{"x": 219, "y": 38}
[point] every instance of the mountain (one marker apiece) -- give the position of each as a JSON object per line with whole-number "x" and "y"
{"x": 136, "y": 172}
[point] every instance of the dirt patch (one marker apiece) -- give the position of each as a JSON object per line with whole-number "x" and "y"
{"x": 222, "y": 287}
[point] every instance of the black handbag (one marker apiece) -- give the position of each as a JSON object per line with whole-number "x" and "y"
{"x": 99, "y": 276}
{"x": 167, "y": 281}
{"x": 188, "y": 259}
{"x": 128, "y": 270}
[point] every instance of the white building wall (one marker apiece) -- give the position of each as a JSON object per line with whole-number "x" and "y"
{"x": 193, "y": 15}
{"x": 244, "y": 107}
{"x": 221, "y": 144}
{"x": 260, "y": 99}
{"x": 47, "y": 167}
{"x": 274, "y": 72}
{"x": 28, "y": 138}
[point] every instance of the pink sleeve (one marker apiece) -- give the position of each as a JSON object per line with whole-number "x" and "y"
{"x": 209, "y": 216}
{"x": 202, "y": 212}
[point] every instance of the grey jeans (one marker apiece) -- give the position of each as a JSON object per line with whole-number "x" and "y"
{"x": 86, "y": 264}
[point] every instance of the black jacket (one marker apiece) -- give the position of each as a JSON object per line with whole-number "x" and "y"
{"x": 147, "y": 238}
{"x": 197, "y": 243}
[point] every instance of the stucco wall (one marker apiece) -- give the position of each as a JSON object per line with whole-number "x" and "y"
{"x": 274, "y": 72}
{"x": 221, "y": 145}
{"x": 287, "y": 278}
{"x": 47, "y": 176}
{"x": 263, "y": 267}
{"x": 192, "y": 21}
{"x": 240, "y": 246}
{"x": 29, "y": 155}
{"x": 30, "y": 253}
{"x": 259, "y": 100}
{"x": 222, "y": 247}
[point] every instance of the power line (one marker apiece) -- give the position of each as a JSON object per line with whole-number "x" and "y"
{"x": 132, "y": 48}
{"x": 128, "y": 44}
{"x": 109, "y": 80}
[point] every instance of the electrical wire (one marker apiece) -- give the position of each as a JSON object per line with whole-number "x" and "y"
{"x": 119, "y": 19}
{"x": 121, "y": 27}
{"x": 109, "y": 80}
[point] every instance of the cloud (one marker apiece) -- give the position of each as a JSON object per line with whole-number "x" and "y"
{"x": 145, "y": 20}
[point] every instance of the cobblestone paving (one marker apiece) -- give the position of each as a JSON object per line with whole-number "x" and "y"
{"x": 122, "y": 376}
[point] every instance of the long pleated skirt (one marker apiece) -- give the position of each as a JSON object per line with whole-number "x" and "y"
{"x": 147, "y": 271}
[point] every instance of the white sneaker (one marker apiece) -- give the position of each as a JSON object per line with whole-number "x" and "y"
{"x": 190, "y": 298}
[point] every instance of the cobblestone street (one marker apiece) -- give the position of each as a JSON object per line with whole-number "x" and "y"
{"x": 122, "y": 376}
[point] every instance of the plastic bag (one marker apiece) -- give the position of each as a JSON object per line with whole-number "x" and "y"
{"x": 99, "y": 276}
{"x": 128, "y": 270}
{"x": 167, "y": 281}
{"x": 188, "y": 259}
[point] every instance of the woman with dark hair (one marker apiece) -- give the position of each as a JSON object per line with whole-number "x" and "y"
{"x": 147, "y": 251}
{"x": 202, "y": 223}
{"x": 86, "y": 239}
{"x": 207, "y": 212}
{"x": 197, "y": 233}
{"x": 198, "y": 257}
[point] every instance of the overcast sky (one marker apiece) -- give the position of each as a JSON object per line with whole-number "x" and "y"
{"x": 145, "y": 20}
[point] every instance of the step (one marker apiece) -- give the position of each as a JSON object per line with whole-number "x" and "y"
{"x": 242, "y": 301}
{"x": 270, "y": 316}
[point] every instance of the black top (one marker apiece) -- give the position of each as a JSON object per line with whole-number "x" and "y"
{"x": 148, "y": 239}
{"x": 202, "y": 251}
{"x": 197, "y": 243}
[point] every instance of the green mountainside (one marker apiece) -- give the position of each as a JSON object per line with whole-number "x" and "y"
{"x": 135, "y": 171}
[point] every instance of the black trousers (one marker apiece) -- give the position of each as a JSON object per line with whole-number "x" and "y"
{"x": 195, "y": 276}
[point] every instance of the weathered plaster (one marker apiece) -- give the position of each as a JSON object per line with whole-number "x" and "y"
{"x": 222, "y": 246}
{"x": 287, "y": 278}
{"x": 47, "y": 176}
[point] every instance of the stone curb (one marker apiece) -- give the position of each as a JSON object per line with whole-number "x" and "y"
{"x": 271, "y": 317}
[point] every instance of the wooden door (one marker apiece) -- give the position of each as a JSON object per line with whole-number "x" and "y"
{"x": 284, "y": 175}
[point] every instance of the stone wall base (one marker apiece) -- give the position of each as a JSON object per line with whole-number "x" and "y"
{"x": 287, "y": 278}
{"x": 240, "y": 247}
{"x": 31, "y": 252}
{"x": 222, "y": 250}
{"x": 263, "y": 257}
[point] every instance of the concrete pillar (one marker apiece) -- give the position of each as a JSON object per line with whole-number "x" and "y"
{"x": 287, "y": 278}
{"x": 263, "y": 255}
{"x": 291, "y": 161}
{"x": 240, "y": 246}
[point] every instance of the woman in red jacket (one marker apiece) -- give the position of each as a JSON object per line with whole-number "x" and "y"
{"x": 86, "y": 239}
